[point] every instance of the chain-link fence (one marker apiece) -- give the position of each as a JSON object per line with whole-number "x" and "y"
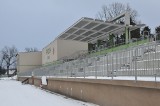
{"x": 142, "y": 60}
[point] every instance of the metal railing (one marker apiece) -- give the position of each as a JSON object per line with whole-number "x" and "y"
{"x": 142, "y": 60}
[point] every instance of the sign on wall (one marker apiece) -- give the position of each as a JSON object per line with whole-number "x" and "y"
{"x": 48, "y": 52}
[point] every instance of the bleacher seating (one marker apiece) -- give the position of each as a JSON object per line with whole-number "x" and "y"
{"x": 141, "y": 60}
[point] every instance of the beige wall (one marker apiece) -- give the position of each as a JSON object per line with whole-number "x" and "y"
{"x": 106, "y": 92}
{"x": 28, "y": 60}
{"x": 68, "y": 47}
{"x": 61, "y": 48}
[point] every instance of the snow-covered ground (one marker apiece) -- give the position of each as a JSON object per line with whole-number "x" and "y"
{"x": 13, "y": 93}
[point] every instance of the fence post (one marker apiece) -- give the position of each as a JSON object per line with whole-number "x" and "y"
{"x": 95, "y": 68}
{"x": 103, "y": 66}
{"x": 158, "y": 63}
{"x": 155, "y": 77}
{"x": 107, "y": 66}
{"x": 32, "y": 77}
{"x": 67, "y": 69}
{"x": 154, "y": 62}
{"x": 135, "y": 64}
{"x": 84, "y": 67}
{"x": 112, "y": 66}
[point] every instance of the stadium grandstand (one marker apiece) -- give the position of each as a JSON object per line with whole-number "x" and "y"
{"x": 85, "y": 50}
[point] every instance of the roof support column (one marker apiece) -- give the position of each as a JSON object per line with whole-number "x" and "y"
{"x": 127, "y": 23}
{"x": 128, "y": 34}
{"x": 98, "y": 44}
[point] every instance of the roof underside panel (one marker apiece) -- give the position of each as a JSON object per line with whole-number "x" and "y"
{"x": 88, "y": 30}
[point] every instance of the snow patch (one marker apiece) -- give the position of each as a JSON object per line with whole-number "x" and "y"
{"x": 28, "y": 95}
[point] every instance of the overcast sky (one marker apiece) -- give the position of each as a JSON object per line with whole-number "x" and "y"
{"x": 35, "y": 23}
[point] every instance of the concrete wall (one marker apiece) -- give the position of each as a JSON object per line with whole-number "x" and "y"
{"x": 28, "y": 60}
{"x": 61, "y": 48}
{"x": 68, "y": 47}
{"x": 107, "y": 92}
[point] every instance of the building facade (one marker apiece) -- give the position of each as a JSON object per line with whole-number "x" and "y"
{"x": 61, "y": 48}
{"x": 28, "y": 60}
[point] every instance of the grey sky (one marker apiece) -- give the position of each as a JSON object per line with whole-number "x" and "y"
{"x": 35, "y": 23}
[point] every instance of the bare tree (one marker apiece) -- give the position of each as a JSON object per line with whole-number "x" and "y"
{"x": 31, "y": 49}
{"x": 114, "y": 9}
{"x": 9, "y": 57}
{"x": 1, "y": 60}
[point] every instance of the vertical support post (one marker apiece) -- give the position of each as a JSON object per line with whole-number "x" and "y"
{"x": 127, "y": 18}
{"x": 155, "y": 78}
{"x": 112, "y": 66}
{"x": 104, "y": 66}
{"x": 76, "y": 70}
{"x": 128, "y": 63}
{"x": 127, "y": 23}
{"x": 155, "y": 61}
{"x": 32, "y": 78}
{"x": 84, "y": 68}
{"x": 67, "y": 69}
{"x": 132, "y": 65}
{"x": 107, "y": 66}
{"x": 98, "y": 45}
{"x": 123, "y": 62}
{"x": 128, "y": 36}
{"x": 116, "y": 62}
{"x": 154, "y": 57}
{"x": 95, "y": 68}
{"x": 158, "y": 62}
{"x": 136, "y": 64}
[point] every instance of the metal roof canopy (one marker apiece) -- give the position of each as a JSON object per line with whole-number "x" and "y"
{"x": 90, "y": 30}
